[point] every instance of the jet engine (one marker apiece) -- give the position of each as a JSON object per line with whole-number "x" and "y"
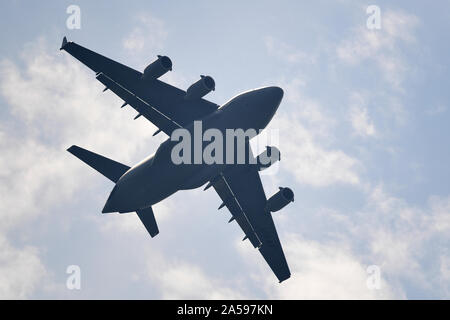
{"x": 199, "y": 89}
{"x": 157, "y": 68}
{"x": 280, "y": 199}
{"x": 268, "y": 158}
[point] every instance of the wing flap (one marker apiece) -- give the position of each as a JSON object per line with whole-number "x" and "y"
{"x": 223, "y": 190}
{"x": 247, "y": 187}
{"x": 162, "y": 97}
{"x": 162, "y": 121}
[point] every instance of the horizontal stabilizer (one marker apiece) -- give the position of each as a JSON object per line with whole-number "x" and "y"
{"x": 148, "y": 219}
{"x": 111, "y": 169}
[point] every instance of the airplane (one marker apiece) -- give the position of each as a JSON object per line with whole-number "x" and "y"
{"x": 157, "y": 177}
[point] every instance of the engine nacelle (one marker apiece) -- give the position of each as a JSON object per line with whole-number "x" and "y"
{"x": 280, "y": 200}
{"x": 157, "y": 68}
{"x": 201, "y": 88}
{"x": 268, "y": 158}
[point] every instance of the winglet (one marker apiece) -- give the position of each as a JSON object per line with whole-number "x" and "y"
{"x": 64, "y": 42}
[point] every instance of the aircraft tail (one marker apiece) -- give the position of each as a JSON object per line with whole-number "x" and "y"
{"x": 111, "y": 169}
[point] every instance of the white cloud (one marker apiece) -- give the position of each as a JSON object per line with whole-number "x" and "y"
{"x": 63, "y": 103}
{"x": 359, "y": 116}
{"x": 54, "y": 102}
{"x": 325, "y": 271}
{"x": 36, "y": 169}
{"x": 285, "y": 52}
{"x": 360, "y": 121}
{"x": 310, "y": 162}
{"x": 183, "y": 280}
{"x": 308, "y": 110}
{"x": 149, "y": 36}
{"x": 399, "y": 238}
{"x": 38, "y": 175}
{"x": 439, "y": 219}
{"x": 150, "y": 33}
{"x": 445, "y": 268}
{"x": 382, "y": 46}
{"x": 407, "y": 243}
{"x": 20, "y": 271}
{"x": 305, "y": 133}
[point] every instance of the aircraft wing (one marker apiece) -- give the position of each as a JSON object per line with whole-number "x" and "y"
{"x": 162, "y": 104}
{"x": 241, "y": 190}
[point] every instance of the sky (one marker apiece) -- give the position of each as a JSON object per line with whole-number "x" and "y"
{"x": 363, "y": 133}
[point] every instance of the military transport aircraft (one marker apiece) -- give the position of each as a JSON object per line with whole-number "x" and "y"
{"x": 157, "y": 177}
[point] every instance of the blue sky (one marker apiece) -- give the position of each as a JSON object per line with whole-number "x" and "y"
{"x": 363, "y": 134}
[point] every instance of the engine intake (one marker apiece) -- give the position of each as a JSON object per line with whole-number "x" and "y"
{"x": 201, "y": 88}
{"x": 268, "y": 158}
{"x": 280, "y": 199}
{"x": 157, "y": 68}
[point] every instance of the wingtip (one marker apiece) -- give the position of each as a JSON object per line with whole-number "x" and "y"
{"x": 154, "y": 234}
{"x": 284, "y": 278}
{"x": 64, "y": 43}
{"x": 71, "y": 148}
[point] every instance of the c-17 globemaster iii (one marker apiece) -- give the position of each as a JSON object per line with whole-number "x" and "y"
{"x": 177, "y": 113}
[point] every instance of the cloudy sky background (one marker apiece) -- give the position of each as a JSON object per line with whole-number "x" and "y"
{"x": 363, "y": 135}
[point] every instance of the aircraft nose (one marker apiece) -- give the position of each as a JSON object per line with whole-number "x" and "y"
{"x": 271, "y": 99}
{"x": 275, "y": 94}
{"x": 265, "y": 104}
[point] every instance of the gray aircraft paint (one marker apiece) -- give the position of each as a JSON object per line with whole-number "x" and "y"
{"x": 158, "y": 177}
{"x": 237, "y": 181}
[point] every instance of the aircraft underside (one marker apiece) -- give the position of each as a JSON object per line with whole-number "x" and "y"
{"x": 177, "y": 113}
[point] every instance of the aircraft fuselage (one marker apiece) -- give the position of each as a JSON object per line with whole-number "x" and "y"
{"x": 157, "y": 177}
